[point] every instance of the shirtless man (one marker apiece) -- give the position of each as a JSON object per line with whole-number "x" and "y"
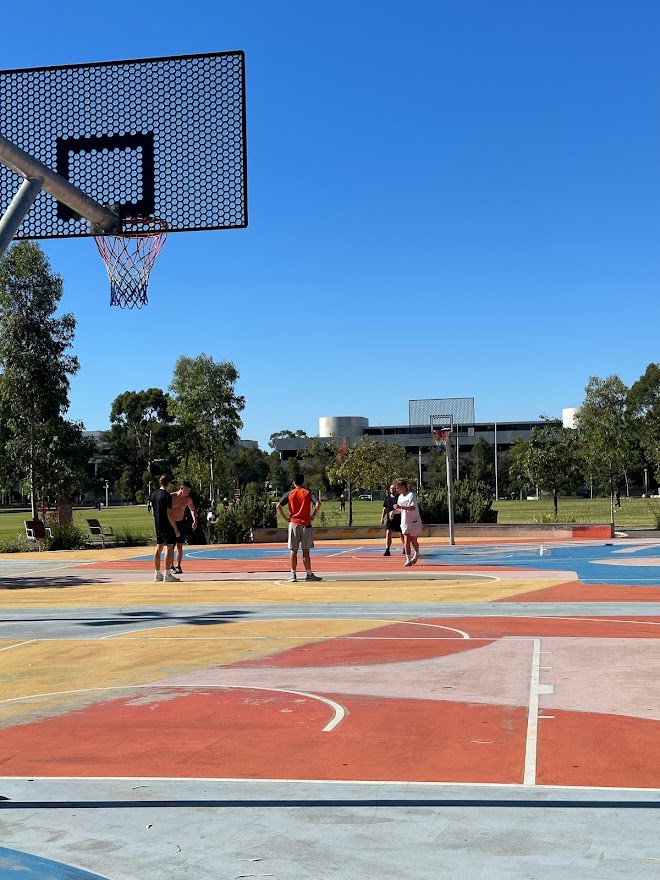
{"x": 181, "y": 500}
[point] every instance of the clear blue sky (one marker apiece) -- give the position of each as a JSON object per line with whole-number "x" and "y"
{"x": 446, "y": 199}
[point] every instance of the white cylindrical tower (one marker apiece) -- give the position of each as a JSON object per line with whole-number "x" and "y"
{"x": 338, "y": 427}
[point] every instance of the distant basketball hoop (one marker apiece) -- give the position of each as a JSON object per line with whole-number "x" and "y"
{"x": 441, "y": 435}
{"x": 129, "y": 258}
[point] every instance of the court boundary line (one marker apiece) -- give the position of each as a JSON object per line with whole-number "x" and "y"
{"x": 296, "y": 781}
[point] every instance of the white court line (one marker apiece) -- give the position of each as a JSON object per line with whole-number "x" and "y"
{"x": 387, "y": 620}
{"x": 533, "y": 717}
{"x": 255, "y": 780}
{"x": 344, "y": 552}
{"x": 339, "y": 711}
{"x": 18, "y": 645}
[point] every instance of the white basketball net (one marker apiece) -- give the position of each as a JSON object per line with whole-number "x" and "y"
{"x": 129, "y": 258}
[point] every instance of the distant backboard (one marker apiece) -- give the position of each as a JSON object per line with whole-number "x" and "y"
{"x": 459, "y": 411}
{"x": 162, "y": 137}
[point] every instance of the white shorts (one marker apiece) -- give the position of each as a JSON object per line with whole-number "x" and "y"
{"x": 412, "y": 528}
{"x": 300, "y": 536}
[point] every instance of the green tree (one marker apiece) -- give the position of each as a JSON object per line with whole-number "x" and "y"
{"x": 316, "y": 462}
{"x": 207, "y": 409}
{"x": 482, "y": 463}
{"x": 643, "y": 407}
{"x": 248, "y": 466}
{"x": 551, "y": 460}
{"x": 517, "y": 478}
{"x": 279, "y": 435}
{"x": 372, "y": 465}
{"x": 604, "y": 434}
{"x": 140, "y": 434}
{"x": 36, "y": 366}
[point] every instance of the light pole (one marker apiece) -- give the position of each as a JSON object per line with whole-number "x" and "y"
{"x": 107, "y": 486}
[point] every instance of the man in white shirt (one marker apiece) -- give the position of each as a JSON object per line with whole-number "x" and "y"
{"x": 411, "y": 521}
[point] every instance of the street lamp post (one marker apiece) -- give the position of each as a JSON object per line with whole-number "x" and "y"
{"x": 107, "y": 487}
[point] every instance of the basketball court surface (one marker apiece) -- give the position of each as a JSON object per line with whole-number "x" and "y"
{"x": 493, "y": 711}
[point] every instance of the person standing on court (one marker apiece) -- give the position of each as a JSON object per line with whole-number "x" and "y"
{"x": 299, "y": 501}
{"x": 392, "y": 523}
{"x": 411, "y": 521}
{"x": 166, "y": 529}
{"x": 181, "y": 501}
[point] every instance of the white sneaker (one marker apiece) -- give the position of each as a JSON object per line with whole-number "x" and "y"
{"x": 407, "y": 562}
{"x": 170, "y": 579}
{"x": 415, "y": 558}
{"x": 158, "y": 576}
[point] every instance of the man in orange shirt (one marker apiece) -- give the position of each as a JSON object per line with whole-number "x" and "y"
{"x": 299, "y": 501}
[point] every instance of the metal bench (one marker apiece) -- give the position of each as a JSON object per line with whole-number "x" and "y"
{"x": 100, "y": 534}
{"x": 37, "y": 531}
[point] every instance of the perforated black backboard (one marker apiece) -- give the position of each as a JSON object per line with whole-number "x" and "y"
{"x": 161, "y": 137}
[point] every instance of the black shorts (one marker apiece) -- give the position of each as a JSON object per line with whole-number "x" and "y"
{"x": 166, "y": 537}
{"x": 393, "y": 525}
{"x": 182, "y": 526}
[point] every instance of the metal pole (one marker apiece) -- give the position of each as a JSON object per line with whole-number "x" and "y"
{"x": 450, "y": 490}
{"x": 29, "y": 167}
{"x": 107, "y": 486}
{"x": 458, "y": 476}
{"x": 18, "y": 209}
{"x": 497, "y": 494}
{"x": 420, "y": 466}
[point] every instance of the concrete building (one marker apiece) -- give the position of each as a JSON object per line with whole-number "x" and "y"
{"x": 415, "y": 440}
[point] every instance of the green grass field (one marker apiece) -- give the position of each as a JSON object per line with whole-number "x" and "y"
{"x": 633, "y": 512}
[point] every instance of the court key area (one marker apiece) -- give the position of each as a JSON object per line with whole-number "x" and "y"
{"x": 493, "y": 711}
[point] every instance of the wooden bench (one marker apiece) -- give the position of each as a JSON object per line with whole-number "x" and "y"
{"x": 37, "y": 531}
{"x": 100, "y": 534}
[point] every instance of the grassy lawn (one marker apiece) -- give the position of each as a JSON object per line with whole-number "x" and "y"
{"x": 134, "y": 517}
{"x": 633, "y": 512}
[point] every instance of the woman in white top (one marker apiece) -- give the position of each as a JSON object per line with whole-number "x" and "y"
{"x": 411, "y": 521}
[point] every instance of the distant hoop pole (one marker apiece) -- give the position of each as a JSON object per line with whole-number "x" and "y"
{"x": 441, "y": 431}
{"x": 32, "y": 170}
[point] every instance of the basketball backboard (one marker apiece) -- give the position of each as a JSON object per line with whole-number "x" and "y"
{"x": 161, "y": 138}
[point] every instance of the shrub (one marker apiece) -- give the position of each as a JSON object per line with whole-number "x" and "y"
{"x": 560, "y": 518}
{"x": 18, "y": 544}
{"x": 228, "y": 529}
{"x": 654, "y": 510}
{"x": 128, "y": 537}
{"x": 472, "y": 504}
{"x": 234, "y": 525}
{"x": 66, "y": 537}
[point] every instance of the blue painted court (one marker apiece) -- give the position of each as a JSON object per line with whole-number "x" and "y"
{"x": 623, "y": 563}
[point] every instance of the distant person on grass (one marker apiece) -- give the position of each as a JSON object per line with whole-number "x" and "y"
{"x": 392, "y": 523}
{"x": 299, "y": 501}
{"x": 166, "y": 529}
{"x": 181, "y": 501}
{"x": 411, "y": 521}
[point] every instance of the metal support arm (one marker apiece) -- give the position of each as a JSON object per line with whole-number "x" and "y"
{"x": 16, "y": 212}
{"x": 32, "y": 170}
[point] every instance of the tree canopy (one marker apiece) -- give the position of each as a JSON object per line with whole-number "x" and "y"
{"x": 42, "y": 448}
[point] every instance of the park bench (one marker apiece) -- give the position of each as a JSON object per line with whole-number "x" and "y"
{"x": 37, "y": 531}
{"x": 98, "y": 533}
